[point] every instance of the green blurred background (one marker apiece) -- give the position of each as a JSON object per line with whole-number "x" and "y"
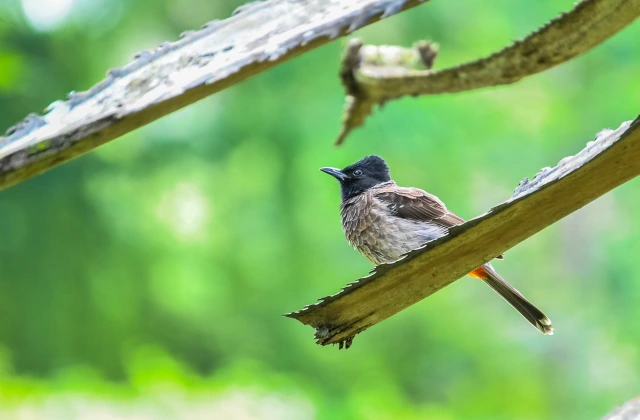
{"x": 146, "y": 280}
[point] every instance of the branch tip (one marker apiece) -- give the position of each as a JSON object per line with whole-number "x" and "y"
{"x": 428, "y": 52}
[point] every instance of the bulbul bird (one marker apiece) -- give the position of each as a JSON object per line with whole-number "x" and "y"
{"x": 384, "y": 221}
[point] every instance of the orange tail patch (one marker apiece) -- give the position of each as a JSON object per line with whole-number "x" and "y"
{"x": 479, "y": 273}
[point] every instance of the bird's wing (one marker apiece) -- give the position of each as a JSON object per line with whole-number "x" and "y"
{"x": 415, "y": 204}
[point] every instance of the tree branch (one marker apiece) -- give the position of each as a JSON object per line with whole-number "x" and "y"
{"x": 628, "y": 411}
{"x": 380, "y": 79}
{"x": 612, "y": 159}
{"x": 257, "y": 37}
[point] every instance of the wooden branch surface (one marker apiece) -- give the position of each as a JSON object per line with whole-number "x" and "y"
{"x": 377, "y": 79}
{"x": 628, "y": 411}
{"x": 257, "y": 37}
{"x": 610, "y": 160}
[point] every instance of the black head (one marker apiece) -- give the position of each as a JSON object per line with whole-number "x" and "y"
{"x": 360, "y": 176}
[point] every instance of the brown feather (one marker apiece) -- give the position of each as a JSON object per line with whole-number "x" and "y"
{"x": 419, "y": 205}
{"x": 416, "y": 204}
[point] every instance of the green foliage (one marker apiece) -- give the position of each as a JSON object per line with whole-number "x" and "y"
{"x": 147, "y": 279}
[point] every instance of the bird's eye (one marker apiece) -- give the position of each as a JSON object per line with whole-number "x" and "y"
{"x": 357, "y": 172}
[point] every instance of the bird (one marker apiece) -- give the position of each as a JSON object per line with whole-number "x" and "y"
{"x": 384, "y": 221}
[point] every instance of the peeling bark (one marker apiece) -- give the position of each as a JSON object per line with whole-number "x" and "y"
{"x": 257, "y": 37}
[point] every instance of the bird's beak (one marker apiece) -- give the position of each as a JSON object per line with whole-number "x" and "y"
{"x": 334, "y": 172}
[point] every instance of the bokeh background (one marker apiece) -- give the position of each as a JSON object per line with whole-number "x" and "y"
{"x": 147, "y": 279}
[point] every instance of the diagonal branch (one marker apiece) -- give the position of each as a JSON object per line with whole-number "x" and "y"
{"x": 377, "y": 78}
{"x": 627, "y": 411}
{"x": 612, "y": 159}
{"x": 257, "y": 37}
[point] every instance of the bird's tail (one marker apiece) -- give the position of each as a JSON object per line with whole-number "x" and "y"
{"x": 514, "y": 298}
